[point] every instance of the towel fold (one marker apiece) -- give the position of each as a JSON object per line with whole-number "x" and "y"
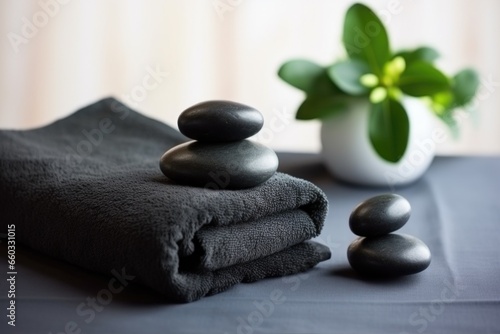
{"x": 88, "y": 189}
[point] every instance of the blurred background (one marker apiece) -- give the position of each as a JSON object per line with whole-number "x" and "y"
{"x": 162, "y": 56}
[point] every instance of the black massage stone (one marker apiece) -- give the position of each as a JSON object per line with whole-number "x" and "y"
{"x": 234, "y": 165}
{"x": 380, "y": 215}
{"x": 388, "y": 255}
{"x": 220, "y": 121}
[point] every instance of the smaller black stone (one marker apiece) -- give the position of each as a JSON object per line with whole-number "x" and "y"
{"x": 380, "y": 215}
{"x": 233, "y": 165}
{"x": 388, "y": 255}
{"x": 220, "y": 121}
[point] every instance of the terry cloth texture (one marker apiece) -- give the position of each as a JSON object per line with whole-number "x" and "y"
{"x": 88, "y": 189}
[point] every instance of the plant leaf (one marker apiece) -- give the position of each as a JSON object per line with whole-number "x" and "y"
{"x": 424, "y": 53}
{"x": 347, "y": 76}
{"x": 323, "y": 85}
{"x": 365, "y": 37}
{"x": 450, "y": 121}
{"x": 389, "y": 129}
{"x": 300, "y": 73}
{"x": 307, "y": 76}
{"x": 423, "y": 79}
{"x": 464, "y": 87}
{"x": 320, "y": 106}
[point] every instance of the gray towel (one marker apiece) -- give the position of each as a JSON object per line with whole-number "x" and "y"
{"x": 88, "y": 189}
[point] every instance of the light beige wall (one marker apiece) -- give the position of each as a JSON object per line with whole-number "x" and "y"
{"x": 90, "y": 49}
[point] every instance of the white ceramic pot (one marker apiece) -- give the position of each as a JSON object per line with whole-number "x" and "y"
{"x": 349, "y": 155}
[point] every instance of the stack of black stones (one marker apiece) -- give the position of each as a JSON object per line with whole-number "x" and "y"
{"x": 378, "y": 252}
{"x": 220, "y": 156}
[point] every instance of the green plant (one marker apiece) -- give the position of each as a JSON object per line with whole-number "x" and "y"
{"x": 372, "y": 71}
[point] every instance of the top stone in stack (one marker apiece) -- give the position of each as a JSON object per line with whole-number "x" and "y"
{"x": 380, "y": 215}
{"x": 220, "y": 121}
{"x": 220, "y": 157}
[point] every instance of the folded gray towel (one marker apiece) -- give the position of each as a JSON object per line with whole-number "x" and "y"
{"x": 88, "y": 189}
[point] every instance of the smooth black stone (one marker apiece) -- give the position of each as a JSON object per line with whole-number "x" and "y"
{"x": 380, "y": 215}
{"x": 220, "y": 121}
{"x": 233, "y": 165}
{"x": 388, "y": 255}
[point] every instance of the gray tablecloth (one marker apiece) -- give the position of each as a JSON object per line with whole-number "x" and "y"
{"x": 456, "y": 211}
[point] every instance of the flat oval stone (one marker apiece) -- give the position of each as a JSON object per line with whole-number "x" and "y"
{"x": 220, "y": 121}
{"x": 233, "y": 165}
{"x": 388, "y": 255}
{"x": 380, "y": 215}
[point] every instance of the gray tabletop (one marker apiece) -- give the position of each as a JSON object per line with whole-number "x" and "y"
{"x": 456, "y": 212}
